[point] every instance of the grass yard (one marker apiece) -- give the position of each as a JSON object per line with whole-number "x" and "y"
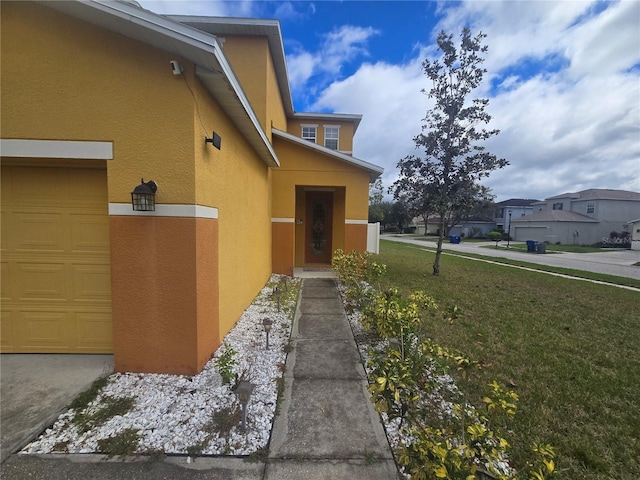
{"x": 570, "y": 349}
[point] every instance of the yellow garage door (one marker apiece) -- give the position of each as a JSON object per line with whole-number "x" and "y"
{"x": 56, "y": 286}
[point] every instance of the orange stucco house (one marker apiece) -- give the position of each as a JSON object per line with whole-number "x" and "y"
{"x": 97, "y": 95}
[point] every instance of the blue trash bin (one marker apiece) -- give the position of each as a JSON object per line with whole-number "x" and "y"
{"x": 451, "y": 239}
{"x": 456, "y": 239}
{"x": 531, "y": 245}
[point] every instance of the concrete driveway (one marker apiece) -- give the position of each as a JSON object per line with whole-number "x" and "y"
{"x": 36, "y": 388}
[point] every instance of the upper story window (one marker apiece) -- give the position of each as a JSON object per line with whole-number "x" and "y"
{"x": 557, "y": 206}
{"x": 591, "y": 207}
{"x": 309, "y": 132}
{"x": 500, "y": 213}
{"x": 331, "y": 137}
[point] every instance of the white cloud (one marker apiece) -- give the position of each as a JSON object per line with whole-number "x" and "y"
{"x": 342, "y": 45}
{"x": 567, "y": 127}
{"x": 198, "y": 7}
{"x": 389, "y": 98}
{"x": 573, "y": 127}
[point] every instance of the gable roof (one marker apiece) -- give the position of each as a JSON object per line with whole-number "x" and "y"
{"x": 201, "y": 48}
{"x": 220, "y": 26}
{"x": 374, "y": 170}
{"x": 556, "y": 216}
{"x": 517, "y": 202}
{"x": 599, "y": 194}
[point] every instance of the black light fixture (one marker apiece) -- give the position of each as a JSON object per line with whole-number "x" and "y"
{"x": 243, "y": 392}
{"x": 266, "y": 323}
{"x": 509, "y": 229}
{"x": 215, "y": 140}
{"x": 143, "y": 197}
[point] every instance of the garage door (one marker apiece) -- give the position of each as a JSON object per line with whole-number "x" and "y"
{"x": 530, "y": 233}
{"x": 56, "y": 286}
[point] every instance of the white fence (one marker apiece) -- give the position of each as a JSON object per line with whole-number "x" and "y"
{"x": 373, "y": 238}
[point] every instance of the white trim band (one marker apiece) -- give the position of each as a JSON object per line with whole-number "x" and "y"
{"x": 350, "y": 221}
{"x": 163, "y": 210}
{"x": 56, "y": 149}
{"x": 283, "y": 220}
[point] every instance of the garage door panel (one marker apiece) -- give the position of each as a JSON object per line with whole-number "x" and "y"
{"x": 5, "y": 285}
{"x": 89, "y": 234}
{"x": 40, "y": 281}
{"x": 90, "y": 192}
{"x": 7, "y": 336}
{"x": 37, "y": 232}
{"x": 44, "y": 329}
{"x": 56, "y": 280}
{"x": 92, "y": 283}
{"x": 40, "y": 186}
{"x": 94, "y": 332}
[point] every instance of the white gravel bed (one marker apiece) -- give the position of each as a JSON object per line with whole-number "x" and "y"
{"x": 171, "y": 412}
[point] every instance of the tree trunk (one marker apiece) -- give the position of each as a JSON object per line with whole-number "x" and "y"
{"x": 436, "y": 262}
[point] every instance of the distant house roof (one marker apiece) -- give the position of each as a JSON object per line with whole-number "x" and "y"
{"x": 374, "y": 170}
{"x": 599, "y": 194}
{"x": 556, "y": 216}
{"x": 517, "y": 202}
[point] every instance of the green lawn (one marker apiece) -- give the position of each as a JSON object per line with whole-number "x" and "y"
{"x": 571, "y": 348}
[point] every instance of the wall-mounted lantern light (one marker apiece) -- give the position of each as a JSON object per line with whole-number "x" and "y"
{"x": 143, "y": 197}
{"x": 215, "y": 140}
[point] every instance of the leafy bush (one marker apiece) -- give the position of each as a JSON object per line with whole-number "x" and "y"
{"x": 225, "y": 363}
{"x": 443, "y": 434}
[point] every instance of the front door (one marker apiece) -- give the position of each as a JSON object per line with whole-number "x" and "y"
{"x": 318, "y": 221}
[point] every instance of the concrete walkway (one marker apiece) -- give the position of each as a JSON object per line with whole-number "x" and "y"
{"x": 327, "y": 428}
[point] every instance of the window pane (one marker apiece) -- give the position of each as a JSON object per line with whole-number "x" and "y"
{"x": 309, "y": 133}
{"x": 331, "y": 137}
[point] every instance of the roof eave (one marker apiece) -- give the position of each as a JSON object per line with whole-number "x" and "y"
{"x": 355, "y": 118}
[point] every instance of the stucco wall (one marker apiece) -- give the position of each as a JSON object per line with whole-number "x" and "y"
{"x": 66, "y": 79}
{"x": 302, "y": 168}
{"x": 252, "y": 62}
{"x": 63, "y": 79}
{"x": 345, "y": 139}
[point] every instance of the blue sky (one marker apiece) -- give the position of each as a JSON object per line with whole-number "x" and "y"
{"x": 563, "y": 80}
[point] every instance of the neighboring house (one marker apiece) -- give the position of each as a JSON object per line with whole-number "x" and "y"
{"x": 477, "y": 227}
{"x": 97, "y": 95}
{"x": 480, "y": 227}
{"x": 432, "y": 226}
{"x": 581, "y": 218}
{"x": 510, "y": 210}
{"x": 634, "y": 228}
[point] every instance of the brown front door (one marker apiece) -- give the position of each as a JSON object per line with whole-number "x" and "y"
{"x": 318, "y": 223}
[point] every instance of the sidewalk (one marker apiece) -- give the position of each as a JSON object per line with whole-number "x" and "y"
{"x": 326, "y": 429}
